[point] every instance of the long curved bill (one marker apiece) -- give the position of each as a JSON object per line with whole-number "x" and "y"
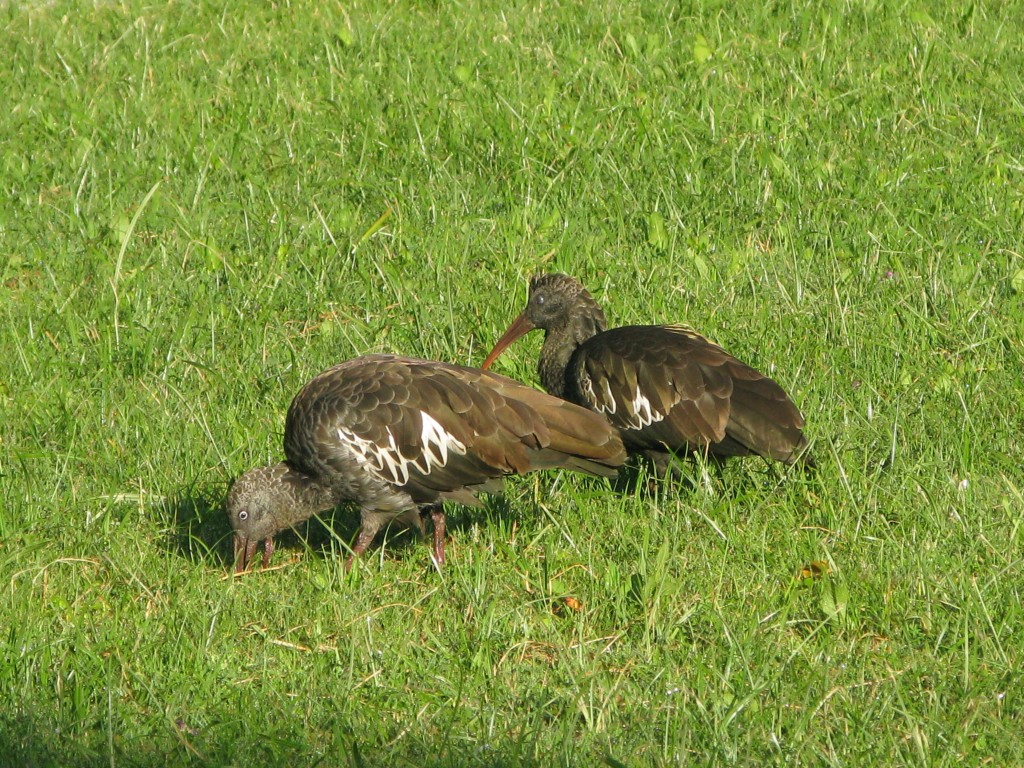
{"x": 245, "y": 550}
{"x": 520, "y": 327}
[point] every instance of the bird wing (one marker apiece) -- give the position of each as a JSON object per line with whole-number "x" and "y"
{"x": 667, "y": 386}
{"x": 432, "y": 429}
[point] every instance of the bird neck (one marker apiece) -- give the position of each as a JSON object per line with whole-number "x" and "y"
{"x": 306, "y": 497}
{"x": 561, "y": 341}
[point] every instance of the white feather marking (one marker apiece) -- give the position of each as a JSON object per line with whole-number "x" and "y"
{"x": 437, "y": 441}
{"x": 610, "y": 404}
{"x": 388, "y": 462}
{"x": 392, "y": 457}
{"x": 644, "y": 413}
{"x": 383, "y": 460}
{"x": 587, "y": 389}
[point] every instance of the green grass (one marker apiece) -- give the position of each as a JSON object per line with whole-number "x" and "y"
{"x": 204, "y": 205}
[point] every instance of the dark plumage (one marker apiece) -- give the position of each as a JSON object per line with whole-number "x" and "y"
{"x": 667, "y": 389}
{"x": 399, "y": 436}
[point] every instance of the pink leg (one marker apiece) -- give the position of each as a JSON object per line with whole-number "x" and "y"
{"x": 268, "y": 550}
{"x": 363, "y": 540}
{"x": 245, "y": 549}
{"x": 437, "y": 516}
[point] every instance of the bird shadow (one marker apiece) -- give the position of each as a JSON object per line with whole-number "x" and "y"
{"x": 640, "y": 477}
{"x": 694, "y": 472}
{"x": 495, "y": 509}
{"x": 199, "y": 530}
{"x": 399, "y": 541}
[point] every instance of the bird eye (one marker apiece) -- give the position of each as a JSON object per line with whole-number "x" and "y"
{"x": 243, "y": 515}
{"x": 539, "y": 298}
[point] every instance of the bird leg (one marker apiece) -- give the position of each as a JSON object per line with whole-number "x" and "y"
{"x": 363, "y": 540}
{"x": 437, "y": 517}
{"x": 659, "y": 463}
{"x": 268, "y": 550}
{"x": 245, "y": 549}
{"x": 372, "y": 523}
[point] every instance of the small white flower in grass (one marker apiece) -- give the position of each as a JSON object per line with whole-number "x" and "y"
{"x": 964, "y": 484}
{"x": 672, "y": 691}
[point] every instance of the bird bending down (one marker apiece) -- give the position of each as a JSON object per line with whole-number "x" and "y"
{"x": 399, "y": 436}
{"x": 667, "y": 389}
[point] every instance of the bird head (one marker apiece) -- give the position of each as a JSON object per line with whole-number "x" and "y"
{"x": 263, "y": 502}
{"x": 558, "y": 304}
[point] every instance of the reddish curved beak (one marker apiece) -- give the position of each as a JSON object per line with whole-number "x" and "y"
{"x": 245, "y": 550}
{"x": 520, "y": 327}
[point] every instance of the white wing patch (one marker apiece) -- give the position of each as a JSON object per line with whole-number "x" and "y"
{"x": 607, "y": 402}
{"x": 644, "y": 414}
{"x": 609, "y": 398}
{"x": 388, "y": 461}
{"x": 587, "y": 389}
{"x": 437, "y": 441}
{"x": 636, "y": 413}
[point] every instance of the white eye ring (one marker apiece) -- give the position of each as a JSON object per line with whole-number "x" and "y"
{"x": 243, "y": 515}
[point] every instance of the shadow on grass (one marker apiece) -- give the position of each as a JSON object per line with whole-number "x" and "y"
{"x": 31, "y": 741}
{"x": 401, "y": 542}
{"x": 689, "y": 473}
{"x": 24, "y": 742}
{"x": 199, "y": 531}
{"x": 28, "y": 741}
{"x": 638, "y": 477}
{"x": 36, "y": 742}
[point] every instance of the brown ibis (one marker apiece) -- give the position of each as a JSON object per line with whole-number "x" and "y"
{"x": 399, "y": 436}
{"x": 667, "y": 389}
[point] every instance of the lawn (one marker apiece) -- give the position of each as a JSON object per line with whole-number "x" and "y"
{"x": 204, "y": 205}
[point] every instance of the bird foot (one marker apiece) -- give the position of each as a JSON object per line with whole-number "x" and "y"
{"x": 439, "y": 520}
{"x": 363, "y": 540}
{"x": 245, "y": 551}
{"x": 268, "y": 550}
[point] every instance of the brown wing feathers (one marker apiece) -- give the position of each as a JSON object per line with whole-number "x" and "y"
{"x": 576, "y": 438}
{"x": 550, "y": 431}
{"x": 667, "y": 386}
{"x": 762, "y": 415}
{"x": 505, "y": 427}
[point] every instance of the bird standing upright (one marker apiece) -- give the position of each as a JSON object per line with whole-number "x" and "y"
{"x": 399, "y": 436}
{"x": 667, "y": 389}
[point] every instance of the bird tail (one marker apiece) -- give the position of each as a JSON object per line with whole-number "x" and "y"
{"x": 577, "y": 439}
{"x": 764, "y": 416}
